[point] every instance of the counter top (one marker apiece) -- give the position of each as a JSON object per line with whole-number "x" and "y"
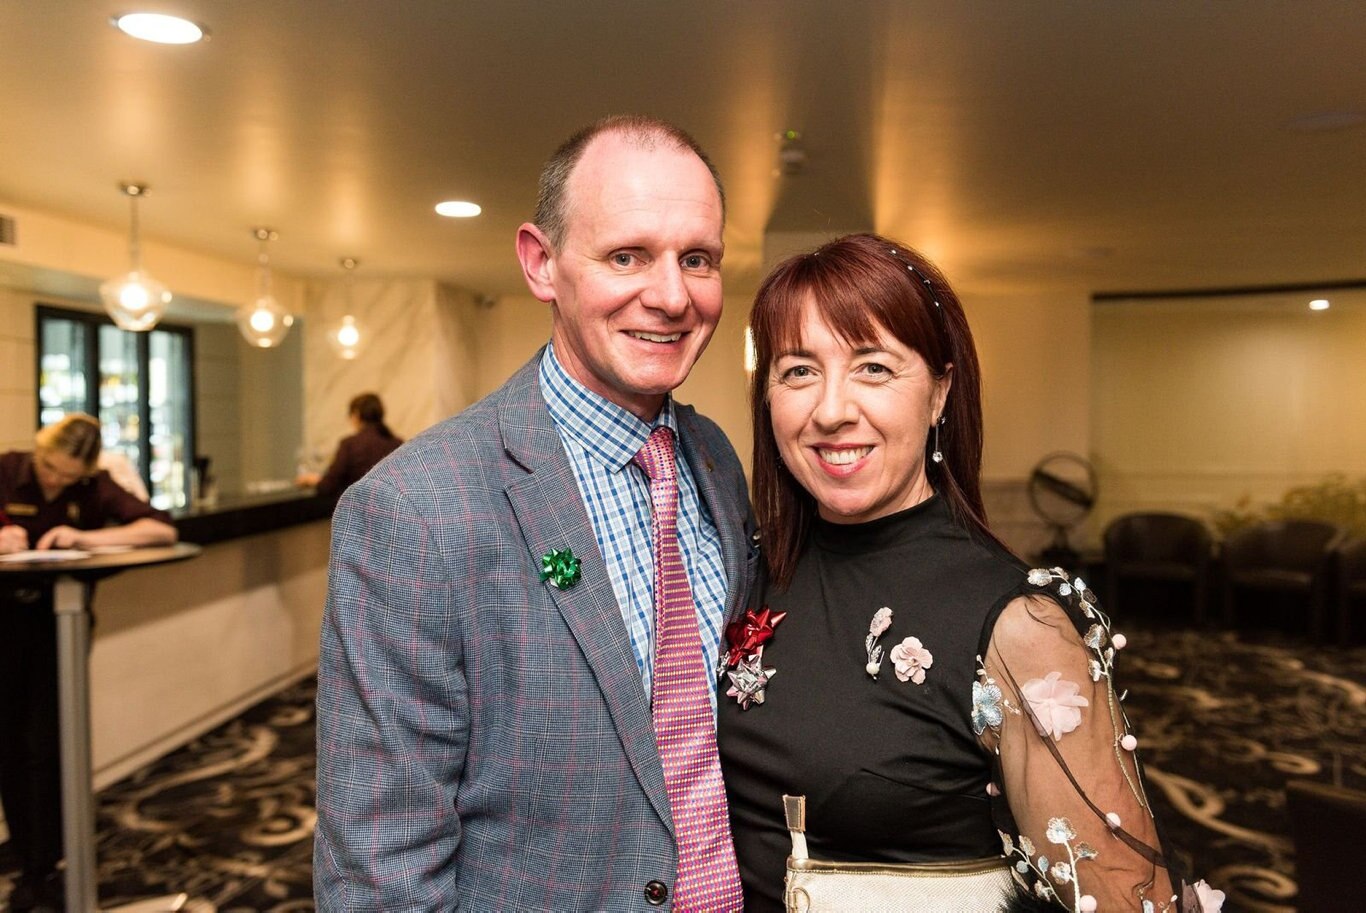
{"x": 101, "y": 563}
{"x": 247, "y": 515}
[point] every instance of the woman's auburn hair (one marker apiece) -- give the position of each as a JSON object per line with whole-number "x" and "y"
{"x": 863, "y": 284}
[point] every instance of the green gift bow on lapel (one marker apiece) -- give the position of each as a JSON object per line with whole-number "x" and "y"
{"x": 561, "y": 568}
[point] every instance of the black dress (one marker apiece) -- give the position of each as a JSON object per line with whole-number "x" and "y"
{"x": 893, "y": 770}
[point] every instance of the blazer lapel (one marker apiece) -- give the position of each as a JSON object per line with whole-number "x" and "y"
{"x": 551, "y": 515}
{"x": 728, "y": 515}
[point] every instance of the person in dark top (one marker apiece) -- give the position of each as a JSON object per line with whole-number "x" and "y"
{"x": 357, "y": 453}
{"x": 51, "y": 498}
{"x": 933, "y": 698}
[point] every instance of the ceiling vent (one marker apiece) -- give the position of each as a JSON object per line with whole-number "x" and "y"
{"x": 7, "y": 230}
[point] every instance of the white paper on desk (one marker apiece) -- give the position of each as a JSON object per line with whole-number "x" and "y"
{"x": 45, "y": 556}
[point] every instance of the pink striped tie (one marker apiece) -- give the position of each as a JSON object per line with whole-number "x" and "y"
{"x": 708, "y": 878}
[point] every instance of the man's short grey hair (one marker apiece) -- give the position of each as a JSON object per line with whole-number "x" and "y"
{"x": 552, "y": 208}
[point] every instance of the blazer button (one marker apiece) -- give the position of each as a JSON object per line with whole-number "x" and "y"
{"x": 656, "y": 892}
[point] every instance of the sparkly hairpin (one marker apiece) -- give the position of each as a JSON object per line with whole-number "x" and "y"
{"x": 929, "y": 287}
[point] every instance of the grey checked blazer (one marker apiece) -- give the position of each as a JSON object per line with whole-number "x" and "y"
{"x": 484, "y": 739}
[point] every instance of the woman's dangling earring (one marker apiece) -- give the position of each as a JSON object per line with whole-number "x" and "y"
{"x": 937, "y": 455}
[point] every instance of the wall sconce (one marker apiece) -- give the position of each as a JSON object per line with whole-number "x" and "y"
{"x": 264, "y": 322}
{"x": 347, "y": 337}
{"x": 135, "y": 301}
{"x": 751, "y": 359}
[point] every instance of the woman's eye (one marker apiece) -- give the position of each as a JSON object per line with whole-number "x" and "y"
{"x": 797, "y": 373}
{"x": 876, "y": 369}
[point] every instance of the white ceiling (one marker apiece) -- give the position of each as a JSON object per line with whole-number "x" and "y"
{"x": 1028, "y": 145}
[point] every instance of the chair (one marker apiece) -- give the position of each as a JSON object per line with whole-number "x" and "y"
{"x": 1351, "y": 589}
{"x": 1158, "y": 547}
{"x": 1284, "y": 557}
{"x": 1325, "y": 823}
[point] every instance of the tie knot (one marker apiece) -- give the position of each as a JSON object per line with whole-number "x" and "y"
{"x": 657, "y": 456}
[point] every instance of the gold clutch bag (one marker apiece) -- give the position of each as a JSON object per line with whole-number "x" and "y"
{"x": 813, "y": 886}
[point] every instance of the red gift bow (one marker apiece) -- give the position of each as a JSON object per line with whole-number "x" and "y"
{"x": 748, "y": 634}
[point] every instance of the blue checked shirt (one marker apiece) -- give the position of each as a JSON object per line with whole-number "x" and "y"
{"x": 601, "y": 438}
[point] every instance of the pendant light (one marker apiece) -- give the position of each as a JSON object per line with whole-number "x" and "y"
{"x": 264, "y": 322}
{"x": 135, "y": 301}
{"x": 347, "y": 337}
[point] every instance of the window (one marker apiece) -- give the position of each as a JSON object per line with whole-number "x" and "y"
{"x": 139, "y": 385}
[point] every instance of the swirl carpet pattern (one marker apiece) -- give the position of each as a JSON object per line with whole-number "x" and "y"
{"x": 1223, "y": 721}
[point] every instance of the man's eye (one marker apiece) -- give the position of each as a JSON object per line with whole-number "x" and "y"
{"x": 695, "y": 261}
{"x": 623, "y": 258}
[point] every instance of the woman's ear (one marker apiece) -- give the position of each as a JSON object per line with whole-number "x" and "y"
{"x": 941, "y": 392}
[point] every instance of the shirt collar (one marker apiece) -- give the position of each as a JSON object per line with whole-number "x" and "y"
{"x": 610, "y": 434}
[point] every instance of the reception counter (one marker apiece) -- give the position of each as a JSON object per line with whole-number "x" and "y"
{"x": 180, "y": 649}
{"x": 249, "y": 515}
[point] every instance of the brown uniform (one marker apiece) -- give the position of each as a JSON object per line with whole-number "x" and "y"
{"x": 356, "y": 455}
{"x": 29, "y": 736}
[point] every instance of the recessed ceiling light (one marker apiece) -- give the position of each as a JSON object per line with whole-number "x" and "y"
{"x": 159, "y": 27}
{"x": 458, "y": 209}
{"x": 1318, "y": 304}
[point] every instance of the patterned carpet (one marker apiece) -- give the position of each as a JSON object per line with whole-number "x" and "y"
{"x": 1223, "y": 721}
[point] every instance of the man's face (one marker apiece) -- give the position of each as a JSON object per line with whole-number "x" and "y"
{"x": 637, "y": 281}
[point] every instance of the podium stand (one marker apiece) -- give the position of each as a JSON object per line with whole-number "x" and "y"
{"x": 71, "y": 581}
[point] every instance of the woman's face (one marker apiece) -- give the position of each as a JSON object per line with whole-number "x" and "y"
{"x": 56, "y": 470}
{"x": 851, "y": 422}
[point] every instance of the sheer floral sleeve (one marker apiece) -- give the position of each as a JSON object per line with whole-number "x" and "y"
{"x": 1045, "y": 704}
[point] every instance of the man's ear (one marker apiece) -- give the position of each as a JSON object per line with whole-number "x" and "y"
{"x": 537, "y": 257}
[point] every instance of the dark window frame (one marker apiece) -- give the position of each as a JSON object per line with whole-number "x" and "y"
{"x": 93, "y": 321}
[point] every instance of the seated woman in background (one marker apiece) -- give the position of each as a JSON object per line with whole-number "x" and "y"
{"x": 358, "y": 453}
{"x": 54, "y": 497}
{"x": 932, "y": 698}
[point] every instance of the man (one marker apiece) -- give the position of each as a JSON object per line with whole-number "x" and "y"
{"x": 489, "y": 692}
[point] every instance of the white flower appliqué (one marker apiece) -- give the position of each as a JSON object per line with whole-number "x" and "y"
{"x": 911, "y": 659}
{"x": 1055, "y": 703}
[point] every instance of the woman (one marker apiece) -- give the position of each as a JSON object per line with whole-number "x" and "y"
{"x": 930, "y": 695}
{"x": 370, "y": 442}
{"x": 53, "y": 497}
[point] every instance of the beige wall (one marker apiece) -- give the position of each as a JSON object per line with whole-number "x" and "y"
{"x": 1197, "y": 404}
{"x": 1035, "y": 391}
{"x": 18, "y": 408}
{"x": 218, "y": 402}
{"x": 509, "y": 332}
{"x": 57, "y": 249}
{"x": 272, "y": 407}
{"x": 1035, "y": 399}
